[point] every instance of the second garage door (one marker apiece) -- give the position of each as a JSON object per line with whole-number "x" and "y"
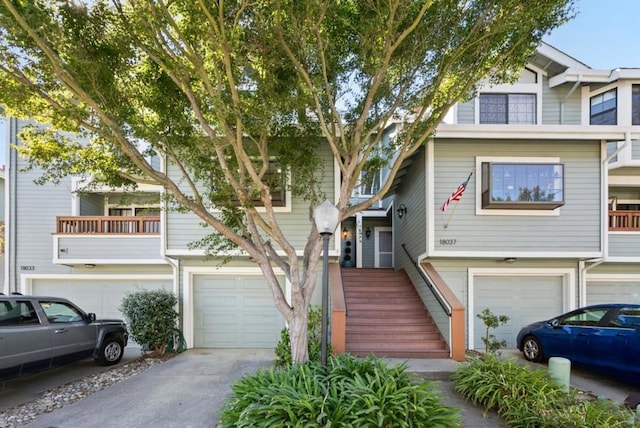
{"x": 234, "y": 312}
{"x": 525, "y": 299}
{"x": 613, "y": 292}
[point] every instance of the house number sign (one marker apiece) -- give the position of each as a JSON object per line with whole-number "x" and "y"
{"x": 448, "y": 241}
{"x": 27, "y": 267}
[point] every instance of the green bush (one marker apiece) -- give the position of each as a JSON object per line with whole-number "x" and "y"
{"x": 314, "y": 331}
{"x": 152, "y": 319}
{"x": 525, "y": 397}
{"x": 349, "y": 392}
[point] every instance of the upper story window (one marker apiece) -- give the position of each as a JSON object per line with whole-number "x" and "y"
{"x": 275, "y": 178}
{"x": 508, "y": 109}
{"x": 635, "y": 104}
{"x": 522, "y": 186}
{"x": 604, "y": 108}
{"x": 369, "y": 184}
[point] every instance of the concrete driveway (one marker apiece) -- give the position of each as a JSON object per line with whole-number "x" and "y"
{"x": 186, "y": 391}
{"x": 191, "y": 389}
{"x": 24, "y": 389}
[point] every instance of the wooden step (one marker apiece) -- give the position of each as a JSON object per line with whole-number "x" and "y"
{"x": 387, "y": 318}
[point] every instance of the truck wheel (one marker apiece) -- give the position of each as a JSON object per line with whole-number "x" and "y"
{"x": 111, "y": 352}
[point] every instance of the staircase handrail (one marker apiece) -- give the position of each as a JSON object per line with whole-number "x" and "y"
{"x": 445, "y": 307}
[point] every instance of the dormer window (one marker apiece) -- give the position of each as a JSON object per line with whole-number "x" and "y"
{"x": 604, "y": 108}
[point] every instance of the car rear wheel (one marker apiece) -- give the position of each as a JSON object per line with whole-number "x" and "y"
{"x": 532, "y": 349}
{"x": 111, "y": 352}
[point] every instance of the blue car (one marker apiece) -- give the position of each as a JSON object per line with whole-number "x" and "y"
{"x": 603, "y": 338}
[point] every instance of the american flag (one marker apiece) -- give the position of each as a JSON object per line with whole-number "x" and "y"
{"x": 457, "y": 194}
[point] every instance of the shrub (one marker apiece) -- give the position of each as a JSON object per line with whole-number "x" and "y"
{"x": 314, "y": 331}
{"x": 152, "y": 318}
{"x": 349, "y": 392}
{"x": 525, "y": 397}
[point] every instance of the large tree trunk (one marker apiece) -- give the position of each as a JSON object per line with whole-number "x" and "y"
{"x": 298, "y": 334}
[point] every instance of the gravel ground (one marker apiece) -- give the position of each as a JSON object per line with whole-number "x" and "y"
{"x": 70, "y": 393}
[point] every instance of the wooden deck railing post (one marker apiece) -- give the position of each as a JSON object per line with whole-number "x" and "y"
{"x": 338, "y": 310}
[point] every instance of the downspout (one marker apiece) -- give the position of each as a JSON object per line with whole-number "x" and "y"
{"x": 175, "y": 263}
{"x": 11, "y": 177}
{"x": 605, "y": 222}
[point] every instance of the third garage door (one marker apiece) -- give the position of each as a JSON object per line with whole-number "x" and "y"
{"x": 234, "y": 312}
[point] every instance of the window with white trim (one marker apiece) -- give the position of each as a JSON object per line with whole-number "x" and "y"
{"x": 522, "y": 186}
{"x": 276, "y": 179}
{"x": 604, "y": 108}
{"x": 369, "y": 184}
{"x": 513, "y": 108}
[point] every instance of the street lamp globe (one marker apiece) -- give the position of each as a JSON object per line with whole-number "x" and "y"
{"x": 326, "y": 217}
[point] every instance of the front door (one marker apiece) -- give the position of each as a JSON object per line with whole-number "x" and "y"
{"x": 384, "y": 247}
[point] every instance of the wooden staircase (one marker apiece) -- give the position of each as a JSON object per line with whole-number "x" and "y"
{"x": 386, "y": 317}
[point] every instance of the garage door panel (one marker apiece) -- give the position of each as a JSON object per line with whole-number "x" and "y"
{"x": 102, "y": 297}
{"x": 234, "y": 312}
{"x": 524, "y": 299}
{"x": 613, "y": 292}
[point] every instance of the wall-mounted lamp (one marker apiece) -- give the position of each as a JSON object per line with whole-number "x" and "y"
{"x": 510, "y": 260}
{"x": 402, "y": 210}
{"x": 367, "y": 233}
{"x": 345, "y": 233}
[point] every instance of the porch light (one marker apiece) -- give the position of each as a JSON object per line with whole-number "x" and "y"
{"x": 345, "y": 233}
{"x": 402, "y": 210}
{"x": 326, "y": 217}
{"x": 367, "y": 233}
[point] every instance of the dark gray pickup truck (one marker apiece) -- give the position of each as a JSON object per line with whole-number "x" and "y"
{"x": 37, "y": 333}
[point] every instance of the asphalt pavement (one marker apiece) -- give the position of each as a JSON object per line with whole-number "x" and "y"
{"x": 190, "y": 390}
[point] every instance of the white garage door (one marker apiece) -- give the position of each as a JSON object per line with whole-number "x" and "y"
{"x": 234, "y": 312}
{"x": 613, "y": 292}
{"x": 525, "y": 299}
{"x": 100, "y": 296}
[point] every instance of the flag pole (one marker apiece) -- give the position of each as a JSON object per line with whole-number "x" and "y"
{"x": 452, "y": 213}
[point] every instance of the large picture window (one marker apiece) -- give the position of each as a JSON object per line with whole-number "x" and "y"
{"x": 508, "y": 109}
{"x": 526, "y": 186}
{"x": 604, "y": 108}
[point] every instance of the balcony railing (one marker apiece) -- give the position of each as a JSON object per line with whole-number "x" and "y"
{"x": 624, "y": 221}
{"x": 99, "y": 225}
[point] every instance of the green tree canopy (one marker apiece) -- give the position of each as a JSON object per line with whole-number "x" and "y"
{"x": 221, "y": 89}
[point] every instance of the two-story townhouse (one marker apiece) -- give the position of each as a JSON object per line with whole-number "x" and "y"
{"x": 94, "y": 245}
{"x": 89, "y": 245}
{"x": 524, "y": 202}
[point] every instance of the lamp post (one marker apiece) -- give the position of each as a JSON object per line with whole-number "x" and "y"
{"x": 326, "y": 218}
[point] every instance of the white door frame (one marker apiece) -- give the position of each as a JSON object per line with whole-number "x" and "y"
{"x": 377, "y": 230}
